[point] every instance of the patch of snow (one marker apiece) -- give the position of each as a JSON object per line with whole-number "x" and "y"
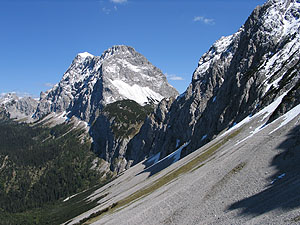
{"x": 63, "y": 116}
{"x": 85, "y": 55}
{"x": 136, "y": 92}
{"x": 203, "y": 67}
{"x": 68, "y": 198}
{"x": 86, "y": 124}
{"x": 270, "y": 108}
{"x": 274, "y": 84}
{"x": 177, "y": 143}
{"x": 154, "y": 159}
{"x": 112, "y": 68}
{"x": 204, "y": 137}
{"x": 276, "y": 62}
{"x": 289, "y": 116}
{"x": 278, "y": 178}
{"x": 146, "y": 77}
{"x": 177, "y": 153}
{"x": 223, "y": 43}
{"x": 266, "y": 112}
{"x": 5, "y": 101}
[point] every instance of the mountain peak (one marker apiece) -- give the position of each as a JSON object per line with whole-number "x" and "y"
{"x": 92, "y": 82}
{"x": 7, "y": 97}
{"x": 118, "y": 49}
{"x": 85, "y": 55}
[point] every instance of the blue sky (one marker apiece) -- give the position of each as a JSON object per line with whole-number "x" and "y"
{"x": 40, "y": 38}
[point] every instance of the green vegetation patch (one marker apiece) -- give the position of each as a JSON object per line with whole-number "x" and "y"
{"x": 93, "y": 217}
{"x": 128, "y": 116}
{"x": 238, "y": 168}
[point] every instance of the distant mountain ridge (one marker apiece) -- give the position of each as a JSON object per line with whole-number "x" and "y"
{"x": 18, "y": 107}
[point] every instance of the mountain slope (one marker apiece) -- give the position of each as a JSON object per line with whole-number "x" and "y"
{"x": 248, "y": 175}
{"x": 239, "y": 75}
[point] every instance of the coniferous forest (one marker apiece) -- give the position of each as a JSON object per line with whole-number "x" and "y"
{"x": 39, "y": 166}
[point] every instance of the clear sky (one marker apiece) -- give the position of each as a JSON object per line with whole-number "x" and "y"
{"x": 40, "y": 38}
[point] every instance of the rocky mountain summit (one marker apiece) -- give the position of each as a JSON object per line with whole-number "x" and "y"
{"x": 238, "y": 76}
{"x": 18, "y": 107}
{"x": 91, "y": 82}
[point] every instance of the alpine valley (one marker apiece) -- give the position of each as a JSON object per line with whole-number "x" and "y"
{"x": 114, "y": 143}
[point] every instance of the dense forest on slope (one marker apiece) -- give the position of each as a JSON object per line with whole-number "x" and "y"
{"x": 41, "y": 165}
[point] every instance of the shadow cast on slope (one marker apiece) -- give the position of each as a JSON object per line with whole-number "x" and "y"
{"x": 284, "y": 190}
{"x": 154, "y": 168}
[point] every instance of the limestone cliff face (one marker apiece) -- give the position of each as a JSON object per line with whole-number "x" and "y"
{"x": 239, "y": 75}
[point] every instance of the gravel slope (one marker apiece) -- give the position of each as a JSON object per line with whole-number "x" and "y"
{"x": 253, "y": 177}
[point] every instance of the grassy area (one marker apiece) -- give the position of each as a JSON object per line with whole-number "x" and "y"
{"x": 238, "y": 168}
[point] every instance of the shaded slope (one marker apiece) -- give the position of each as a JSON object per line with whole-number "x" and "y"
{"x": 283, "y": 191}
